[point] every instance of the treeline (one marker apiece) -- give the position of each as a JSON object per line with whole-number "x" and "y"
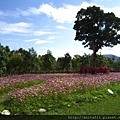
{"x": 27, "y": 61}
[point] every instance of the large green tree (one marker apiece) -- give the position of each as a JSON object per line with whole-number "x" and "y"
{"x": 97, "y": 29}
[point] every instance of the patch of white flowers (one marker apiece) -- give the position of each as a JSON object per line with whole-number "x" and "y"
{"x": 5, "y": 112}
{"x": 68, "y": 105}
{"x": 110, "y": 91}
{"x": 42, "y": 110}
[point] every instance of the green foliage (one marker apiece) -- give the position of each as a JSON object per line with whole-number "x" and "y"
{"x": 29, "y": 62}
{"x": 47, "y": 62}
{"x": 15, "y": 64}
{"x": 76, "y": 62}
{"x": 60, "y": 64}
{"x": 86, "y": 60}
{"x": 64, "y": 63}
{"x": 67, "y": 62}
{"x": 22, "y": 61}
{"x": 97, "y": 29}
{"x": 4, "y": 56}
{"x": 93, "y": 26}
{"x": 116, "y": 65}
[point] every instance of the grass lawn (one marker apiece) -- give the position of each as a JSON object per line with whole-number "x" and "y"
{"x": 110, "y": 106}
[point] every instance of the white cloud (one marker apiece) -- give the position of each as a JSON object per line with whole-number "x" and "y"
{"x": 16, "y": 13}
{"x": 45, "y": 48}
{"x": 21, "y": 27}
{"x": 61, "y": 27}
{"x": 22, "y": 12}
{"x": 52, "y": 37}
{"x": 31, "y": 40}
{"x": 64, "y": 14}
{"x": 8, "y": 13}
{"x": 38, "y": 41}
{"x": 1, "y": 13}
{"x": 114, "y": 10}
{"x": 108, "y": 50}
{"x": 41, "y": 32}
{"x": 42, "y": 41}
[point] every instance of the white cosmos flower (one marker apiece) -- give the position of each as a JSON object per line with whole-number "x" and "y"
{"x": 42, "y": 110}
{"x": 110, "y": 91}
{"x": 68, "y": 105}
{"x": 5, "y": 112}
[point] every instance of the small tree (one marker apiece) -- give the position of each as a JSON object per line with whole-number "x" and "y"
{"x": 97, "y": 29}
{"x": 48, "y": 61}
{"x": 60, "y": 64}
{"x": 15, "y": 64}
{"x": 67, "y": 61}
{"x": 76, "y": 62}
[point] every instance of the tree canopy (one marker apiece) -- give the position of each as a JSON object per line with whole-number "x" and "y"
{"x": 97, "y": 29}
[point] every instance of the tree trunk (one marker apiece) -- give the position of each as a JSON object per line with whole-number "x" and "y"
{"x": 94, "y": 59}
{"x": 94, "y": 53}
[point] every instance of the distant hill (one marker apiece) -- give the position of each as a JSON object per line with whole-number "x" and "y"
{"x": 112, "y": 56}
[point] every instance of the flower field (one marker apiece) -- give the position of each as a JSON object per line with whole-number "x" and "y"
{"x": 50, "y": 85}
{"x": 56, "y": 83}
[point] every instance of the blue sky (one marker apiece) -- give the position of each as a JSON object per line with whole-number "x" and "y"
{"x": 48, "y": 24}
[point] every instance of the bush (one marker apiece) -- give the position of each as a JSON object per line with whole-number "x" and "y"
{"x": 93, "y": 70}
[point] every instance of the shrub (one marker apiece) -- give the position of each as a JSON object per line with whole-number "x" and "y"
{"x": 93, "y": 70}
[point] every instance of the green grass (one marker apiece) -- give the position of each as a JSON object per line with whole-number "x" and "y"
{"x": 109, "y": 106}
{"x": 87, "y": 101}
{"x": 20, "y": 85}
